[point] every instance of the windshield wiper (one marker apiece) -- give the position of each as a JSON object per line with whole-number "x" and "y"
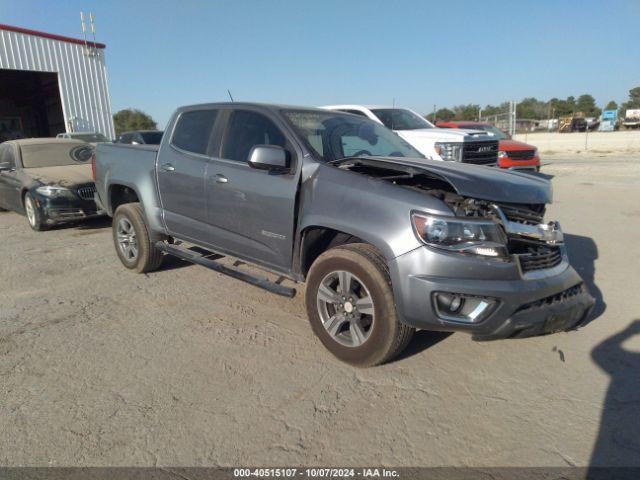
{"x": 338, "y": 161}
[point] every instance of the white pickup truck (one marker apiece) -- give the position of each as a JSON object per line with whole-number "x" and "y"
{"x": 459, "y": 145}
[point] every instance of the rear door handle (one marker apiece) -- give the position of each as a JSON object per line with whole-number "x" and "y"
{"x": 167, "y": 167}
{"x": 221, "y": 178}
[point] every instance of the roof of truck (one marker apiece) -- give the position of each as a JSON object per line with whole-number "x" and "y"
{"x": 274, "y": 106}
{"x": 368, "y": 107}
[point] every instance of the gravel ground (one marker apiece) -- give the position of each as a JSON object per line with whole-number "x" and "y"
{"x": 184, "y": 366}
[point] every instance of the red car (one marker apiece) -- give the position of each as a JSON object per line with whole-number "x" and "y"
{"x": 513, "y": 154}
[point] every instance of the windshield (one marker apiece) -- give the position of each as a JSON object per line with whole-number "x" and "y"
{"x": 89, "y": 137}
{"x": 495, "y": 131}
{"x": 333, "y": 135}
{"x": 55, "y": 155}
{"x": 400, "y": 119}
{"x": 151, "y": 138}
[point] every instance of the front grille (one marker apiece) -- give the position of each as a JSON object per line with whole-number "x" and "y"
{"x": 540, "y": 258}
{"x": 527, "y": 214}
{"x": 86, "y": 192}
{"x": 521, "y": 154}
{"x": 480, "y": 153}
{"x": 554, "y": 299}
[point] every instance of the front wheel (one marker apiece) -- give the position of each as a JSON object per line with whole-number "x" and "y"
{"x": 134, "y": 243}
{"x": 33, "y": 214}
{"x": 351, "y": 308}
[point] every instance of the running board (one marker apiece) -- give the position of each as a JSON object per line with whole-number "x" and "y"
{"x": 199, "y": 259}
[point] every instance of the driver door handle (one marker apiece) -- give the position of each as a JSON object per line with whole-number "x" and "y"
{"x": 220, "y": 178}
{"x": 167, "y": 167}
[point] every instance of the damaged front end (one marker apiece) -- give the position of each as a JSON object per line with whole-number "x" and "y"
{"x": 493, "y": 267}
{"x": 533, "y": 244}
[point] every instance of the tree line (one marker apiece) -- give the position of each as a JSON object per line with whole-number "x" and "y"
{"x": 534, "y": 109}
{"x": 529, "y": 108}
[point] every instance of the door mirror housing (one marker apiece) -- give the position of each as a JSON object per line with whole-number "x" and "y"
{"x": 5, "y": 167}
{"x": 270, "y": 157}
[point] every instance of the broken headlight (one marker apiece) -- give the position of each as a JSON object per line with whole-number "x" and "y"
{"x": 461, "y": 235}
{"x": 55, "y": 192}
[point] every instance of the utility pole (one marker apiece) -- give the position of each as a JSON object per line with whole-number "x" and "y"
{"x": 586, "y": 136}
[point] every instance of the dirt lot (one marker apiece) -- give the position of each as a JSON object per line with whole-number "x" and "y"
{"x": 100, "y": 366}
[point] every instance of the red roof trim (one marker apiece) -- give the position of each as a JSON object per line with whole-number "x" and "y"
{"x": 50, "y": 35}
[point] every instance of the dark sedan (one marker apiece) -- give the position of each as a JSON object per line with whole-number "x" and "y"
{"x": 49, "y": 180}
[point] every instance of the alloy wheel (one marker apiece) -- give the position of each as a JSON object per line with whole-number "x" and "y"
{"x": 346, "y": 308}
{"x": 127, "y": 241}
{"x": 31, "y": 211}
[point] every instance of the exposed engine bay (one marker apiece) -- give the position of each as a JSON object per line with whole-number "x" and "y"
{"x": 535, "y": 243}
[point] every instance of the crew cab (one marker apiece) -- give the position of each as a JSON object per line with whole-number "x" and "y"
{"x": 466, "y": 146}
{"x": 513, "y": 154}
{"x": 386, "y": 240}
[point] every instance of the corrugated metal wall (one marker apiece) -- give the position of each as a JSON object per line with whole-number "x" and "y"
{"x": 83, "y": 78}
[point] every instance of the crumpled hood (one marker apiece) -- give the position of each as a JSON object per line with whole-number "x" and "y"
{"x": 486, "y": 183}
{"x": 65, "y": 176}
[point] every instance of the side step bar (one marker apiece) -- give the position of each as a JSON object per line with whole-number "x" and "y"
{"x": 199, "y": 259}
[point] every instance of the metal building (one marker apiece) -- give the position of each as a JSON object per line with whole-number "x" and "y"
{"x": 51, "y": 84}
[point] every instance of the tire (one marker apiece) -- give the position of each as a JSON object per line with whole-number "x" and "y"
{"x": 134, "y": 243}
{"x": 34, "y": 217}
{"x": 372, "y": 335}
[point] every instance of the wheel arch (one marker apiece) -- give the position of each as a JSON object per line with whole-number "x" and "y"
{"x": 317, "y": 239}
{"x": 119, "y": 194}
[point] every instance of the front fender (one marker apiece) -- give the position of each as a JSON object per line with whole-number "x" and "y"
{"x": 374, "y": 210}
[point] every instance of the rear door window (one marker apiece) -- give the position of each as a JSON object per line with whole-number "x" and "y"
{"x": 193, "y": 131}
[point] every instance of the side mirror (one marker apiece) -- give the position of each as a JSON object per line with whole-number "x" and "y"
{"x": 269, "y": 157}
{"x": 5, "y": 167}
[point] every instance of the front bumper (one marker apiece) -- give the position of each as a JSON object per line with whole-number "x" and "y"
{"x": 528, "y": 165}
{"x": 62, "y": 210}
{"x": 528, "y": 303}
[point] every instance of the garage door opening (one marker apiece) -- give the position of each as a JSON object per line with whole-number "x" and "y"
{"x": 30, "y": 105}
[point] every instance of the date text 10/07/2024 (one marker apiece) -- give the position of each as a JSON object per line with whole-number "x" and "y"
{"x": 315, "y": 473}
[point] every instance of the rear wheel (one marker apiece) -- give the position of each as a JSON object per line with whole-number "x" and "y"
{"x": 135, "y": 244}
{"x": 33, "y": 214}
{"x": 351, "y": 308}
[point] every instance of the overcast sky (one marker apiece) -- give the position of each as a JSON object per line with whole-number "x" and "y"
{"x": 162, "y": 54}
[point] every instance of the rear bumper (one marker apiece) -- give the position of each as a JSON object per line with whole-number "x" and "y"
{"x": 527, "y": 304}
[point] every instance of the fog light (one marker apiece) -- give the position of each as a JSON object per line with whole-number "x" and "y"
{"x": 458, "y": 307}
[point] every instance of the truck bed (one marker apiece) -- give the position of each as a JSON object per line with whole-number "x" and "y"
{"x": 129, "y": 165}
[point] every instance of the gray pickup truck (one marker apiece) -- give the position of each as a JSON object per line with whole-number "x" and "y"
{"x": 386, "y": 241}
